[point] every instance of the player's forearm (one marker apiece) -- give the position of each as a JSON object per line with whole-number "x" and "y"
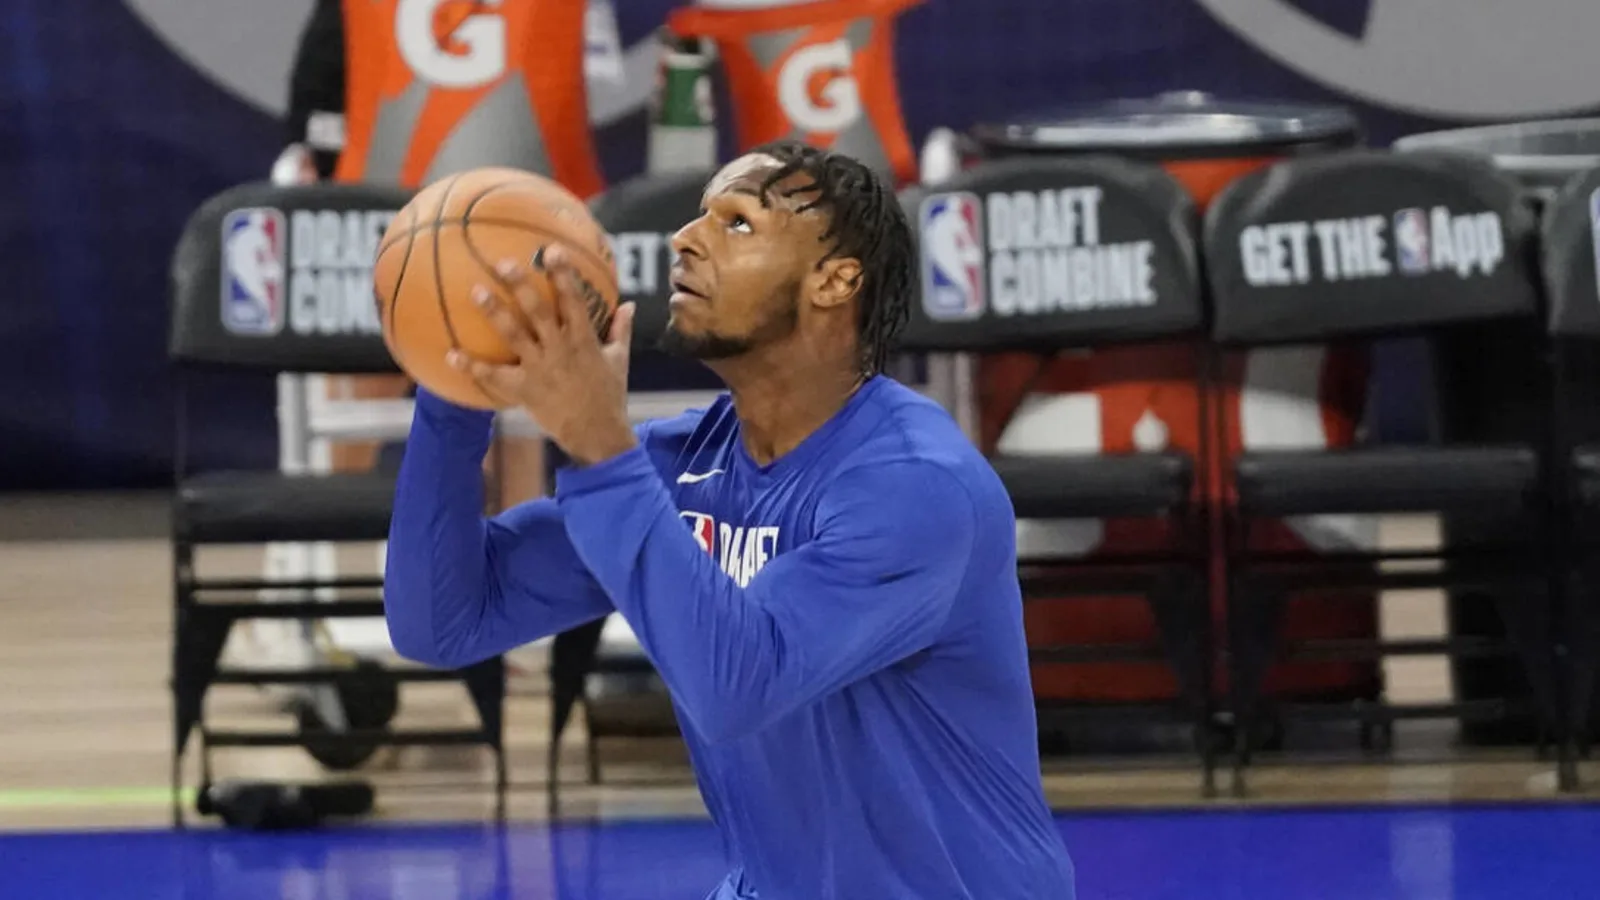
{"x": 460, "y": 588}
{"x": 439, "y": 585}
{"x": 435, "y": 579}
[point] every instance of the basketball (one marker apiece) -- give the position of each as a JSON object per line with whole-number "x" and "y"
{"x": 448, "y": 240}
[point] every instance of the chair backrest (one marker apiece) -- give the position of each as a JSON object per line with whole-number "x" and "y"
{"x": 641, "y": 215}
{"x": 1048, "y": 253}
{"x": 1366, "y": 243}
{"x": 1571, "y": 257}
{"x": 276, "y": 278}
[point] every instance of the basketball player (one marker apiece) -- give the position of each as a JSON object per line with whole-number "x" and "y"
{"x": 820, "y": 565}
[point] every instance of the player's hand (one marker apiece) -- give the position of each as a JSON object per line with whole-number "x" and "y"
{"x": 573, "y": 384}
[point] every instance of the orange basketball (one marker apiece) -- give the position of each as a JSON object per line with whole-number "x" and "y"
{"x": 448, "y": 240}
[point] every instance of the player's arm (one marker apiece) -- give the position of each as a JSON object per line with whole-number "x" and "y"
{"x": 876, "y": 585}
{"x": 460, "y": 587}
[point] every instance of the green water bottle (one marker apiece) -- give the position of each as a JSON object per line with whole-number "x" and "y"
{"x": 683, "y": 130}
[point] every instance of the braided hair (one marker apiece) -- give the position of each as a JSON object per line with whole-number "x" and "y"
{"x": 866, "y": 223}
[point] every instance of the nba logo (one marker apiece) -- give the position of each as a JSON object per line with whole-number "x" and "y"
{"x": 704, "y": 529}
{"x": 253, "y": 261}
{"x": 1411, "y": 241}
{"x": 952, "y": 257}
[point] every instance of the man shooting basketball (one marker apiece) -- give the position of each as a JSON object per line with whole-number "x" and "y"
{"x": 820, "y": 565}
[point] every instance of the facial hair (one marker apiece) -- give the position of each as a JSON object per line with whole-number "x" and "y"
{"x": 711, "y": 345}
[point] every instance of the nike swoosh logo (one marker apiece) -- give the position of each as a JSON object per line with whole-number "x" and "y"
{"x": 696, "y": 478}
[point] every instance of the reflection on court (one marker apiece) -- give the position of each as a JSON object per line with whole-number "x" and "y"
{"x": 1388, "y": 853}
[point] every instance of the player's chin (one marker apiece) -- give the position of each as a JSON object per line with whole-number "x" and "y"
{"x": 680, "y": 337}
{"x": 687, "y": 340}
{"x": 690, "y": 314}
{"x": 684, "y": 322}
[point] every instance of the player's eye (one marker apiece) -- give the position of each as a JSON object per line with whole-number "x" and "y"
{"x": 738, "y": 222}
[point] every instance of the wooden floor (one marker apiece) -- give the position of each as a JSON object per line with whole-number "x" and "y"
{"x": 85, "y": 712}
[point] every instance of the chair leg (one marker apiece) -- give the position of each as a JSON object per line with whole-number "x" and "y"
{"x": 486, "y": 686}
{"x": 179, "y": 726}
{"x": 179, "y": 679}
{"x": 206, "y": 776}
{"x": 198, "y": 639}
{"x": 501, "y": 784}
{"x": 553, "y": 778}
{"x": 1530, "y": 628}
{"x": 1206, "y": 709}
{"x": 1580, "y": 669}
{"x": 572, "y": 658}
{"x": 1254, "y": 613}
{"x": 591, "y": 745}
{"x": 1182, "y": 615}
{"x": 177, "y": 789}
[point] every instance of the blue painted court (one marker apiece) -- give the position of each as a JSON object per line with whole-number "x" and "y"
{"x": 1384, "y": 853}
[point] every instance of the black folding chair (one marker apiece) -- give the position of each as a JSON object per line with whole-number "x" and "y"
{"x": 275, "y": 279}
{"x": 1570, "y": 260}
{"x": 1352, "y": 248}
{"x": 1041, "y": 256}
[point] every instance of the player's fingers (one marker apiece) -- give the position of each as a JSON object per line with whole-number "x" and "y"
{"x": 618, "y": 350}
{"x": 508, "y": 322}
{"x": 570, "y": 296}
{"x": 541, "y": 316}
{"x": 621, "y": 334}
{"x": 517, "y": 279}
{"x": 501, "y": 383}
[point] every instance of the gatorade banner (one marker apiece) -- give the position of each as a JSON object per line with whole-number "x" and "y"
{"x": 1367, "y": 242}
{"x": 819, "y": 71}
{"x": 434, "y": 87}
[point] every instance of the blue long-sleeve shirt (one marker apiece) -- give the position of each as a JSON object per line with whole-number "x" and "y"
{"x": 841, "y": 632}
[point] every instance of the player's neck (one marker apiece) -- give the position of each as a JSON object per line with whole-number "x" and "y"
{"x": 779, "y": 406}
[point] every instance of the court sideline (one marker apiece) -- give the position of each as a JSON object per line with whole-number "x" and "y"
{"x": 86, "y": 599}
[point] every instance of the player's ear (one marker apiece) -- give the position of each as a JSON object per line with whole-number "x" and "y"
{"x": 835, "y": 282}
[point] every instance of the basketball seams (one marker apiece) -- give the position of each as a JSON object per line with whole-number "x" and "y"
{"x": 599, "y": 318}
{"x": 389, "y": 323}
{"x": 477, "y": 256}
{"x": 473, "y": 203}
{"x": 466, "y": 222}
{"x": 517, "y": 224}
{"x": 438, "y": 265}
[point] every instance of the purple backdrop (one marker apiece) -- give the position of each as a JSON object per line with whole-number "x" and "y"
{"x": 112, "y": 137}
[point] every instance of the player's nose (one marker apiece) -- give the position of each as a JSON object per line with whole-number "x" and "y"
{"x": 686, "y": 241}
